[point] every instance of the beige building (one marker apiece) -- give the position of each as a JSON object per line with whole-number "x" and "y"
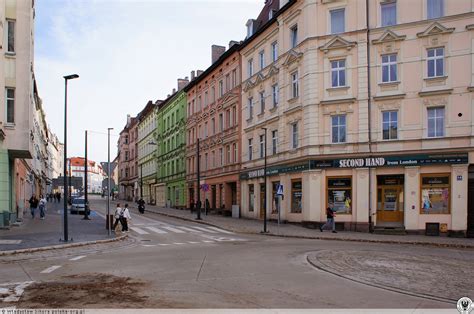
{"x": 398, "y": 159}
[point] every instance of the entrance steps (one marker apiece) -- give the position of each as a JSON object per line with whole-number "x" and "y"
{"x": 390, "y": 230}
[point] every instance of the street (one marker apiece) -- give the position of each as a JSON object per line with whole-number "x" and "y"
{"x": 171, "y": 263}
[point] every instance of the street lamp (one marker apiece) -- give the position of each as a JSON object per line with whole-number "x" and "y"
{"x": 198, "y": 184}
{"x": 66, "y": 78}
{"x": 86, "y": 165}
{"x": 108, "y": 179}
{"x": 265, "y": 186}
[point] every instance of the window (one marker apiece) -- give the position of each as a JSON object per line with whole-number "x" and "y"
{"x": 251, "y": 198}
{"x": 337, "y": 21}
{"x": 199, "y": 108}
{"x": 389, "y": 68}
{"x": 126, "y": 155}
{"x": 221, "y": 157}
{"x": 339, "y": 194}
{"x": 205, "y": 130}
{"x": 221, "y": 122}
{"x": 213, "y": 159}
{"x": 296, "y": 196}
{"x": 227, "y": 82}
{"x": 234, "y": 148}
{"x": 205, "y": 161}
{"x": 10, "y": 36}
{"x": 234, "y": 78}
{"x": 274, "y": 141}
{"x": 227, "y": 118}
{"x": 294, "y": 36}
{"x": 221, "y": 88}
{"x": 261, "y": 58}
{"x": 206, "y": 99}
{"x": 250, "y": 105}
{"x": 213, "y": 93}
{"x": 250, "y": 67}
{"x": 10, "y": 93}
{"x": 213, "y": 126}
{"x": 339, "y": 128}
{"x": 294, "y": 135}
{"x": 275, "y": 197}
{"x": 435, "y": 8}
{"x": 274, "y": 51}
{"x": 436, "y": 122}
{"x": 250, "y": 149}
{"x": 338, "y": 73}
{"x": 435, "y": 62}
{"x": 390, "y": 125}
{"x": 294, "y": 85}
{"x": 275, "y": 92}
{"x": 389, "y": 13}
{"x": 262, "y": 102}
{"x": 262, "y": 146}
{"x": 435, "y": 194}
{"x": 234, "y": 115}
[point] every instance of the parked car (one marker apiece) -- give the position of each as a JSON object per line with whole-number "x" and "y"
{"x": 78, "y": 205}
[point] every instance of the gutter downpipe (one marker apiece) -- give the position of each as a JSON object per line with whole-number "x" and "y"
{"x": 369, "y": 105}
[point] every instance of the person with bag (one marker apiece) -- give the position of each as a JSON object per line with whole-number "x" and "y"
{"x": 33, "y": 205}
{"x": 117, "y": 215}
{"x": 42, "y": 207}
{"x": 125, "y": 216}
{"x": 330, "y": 214}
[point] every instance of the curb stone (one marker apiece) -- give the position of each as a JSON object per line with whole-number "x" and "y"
{"x": 62, "y": 246}
{"x": 421, "y": 243}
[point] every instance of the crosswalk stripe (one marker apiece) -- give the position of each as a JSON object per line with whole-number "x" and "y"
{"x": 139, "y": 230}
{"x": 156, "y": 230}
{"x": 77, "y": 258}
{"x": 179, "y": 243}
{"x": 173, "y": 229}
{"x": 206, "y": 241}
{"x": 220, "y": 230}
{"x": 50, "y": 269}
{"x": 189, "y": 229}
{"x": 205, "y": 230}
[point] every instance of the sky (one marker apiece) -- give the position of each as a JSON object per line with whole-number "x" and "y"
{"x": 126, "y": 53}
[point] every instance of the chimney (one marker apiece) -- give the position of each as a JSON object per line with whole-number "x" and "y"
{"x": 217, "y": 52}
{"x": 174, "y": 91}
{"x": 199, "y": 72}
{"x": 250, "y": 27}
{"x": 232, "y": 42}
{"x": 129, "y": 119}
{"x": 193, "y": 75}
{"x": 182, "y": 83}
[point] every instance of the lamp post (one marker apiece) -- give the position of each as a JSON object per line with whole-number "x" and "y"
{"x": 108, "y": 180}
{"x": 265, "y": 185}
{"x": 86, "y": 165}
{"x": 66, "y": 78}
{"x": 198, "y": 183}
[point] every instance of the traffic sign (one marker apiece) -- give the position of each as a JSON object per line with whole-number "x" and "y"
{"x": 205, "y": 187}
{"x": 280, "y": 190}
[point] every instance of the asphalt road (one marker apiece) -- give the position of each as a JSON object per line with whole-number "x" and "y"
{"x": 170, "y": 263}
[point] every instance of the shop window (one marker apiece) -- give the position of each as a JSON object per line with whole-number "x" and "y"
{"x": 296, "y": 196}
{"x": 275, "y": 197}
{"x": 435, "y": 194}
{"x": 340, "y": 194}
{"x": 251, "y": 197}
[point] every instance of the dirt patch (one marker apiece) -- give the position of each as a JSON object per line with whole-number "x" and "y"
{"x": 86, "y": 290}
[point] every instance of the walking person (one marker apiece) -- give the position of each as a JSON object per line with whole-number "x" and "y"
{"x": 125, "y": 218}
{"x": 330, "y": 214}
{"x": 33, "y": 205}
{"x": 117, "y": 215}
{"x": 141, "y": 206}
{"x": 42, "y": 207}
{"x": 191, "y": 205}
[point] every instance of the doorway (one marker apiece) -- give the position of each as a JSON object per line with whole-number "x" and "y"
{"x": 213, "y": 196}
{"x": 262, "y": 200}
{"x": 390, "y": 201}
{"x": 470, "y": 203}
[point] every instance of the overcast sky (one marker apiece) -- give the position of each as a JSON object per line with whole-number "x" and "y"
{"x": 126, "y": 53}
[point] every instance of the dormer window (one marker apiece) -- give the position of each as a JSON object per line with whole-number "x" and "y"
{"x": 270, "y": 14}
{"x": 250, "y": 29}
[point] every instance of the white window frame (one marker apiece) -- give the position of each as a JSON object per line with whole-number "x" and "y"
{"x": 250, "y": 67}
{"x": 294, "y": 135}
{"x": 261, "y": 59}
{"x": 250, "y": 107}
{"x": 6, "y": 105}
{"x": 294, "y": 36}
{"x": 275, "y": 95}
{"x": 338, "y": 126}
{"x": 388, "y": 4}
{"x": 275, "y": 51}
{"x": 274, "y": 142}
{"x": 330, "y": 20}
{"x": 262, "y": 146}
{"x": 7, "y": 39}
{"x": 294, "y": 85}
{"x": 221, "y": 88}
{"x": 436, "y": 118}
{"x": 388, "y": 67}
{"x": 234, "y": 148}
{"x": 428, "y": 9}
{"x": 389, "y": 122}
{"x": 250, "y": 148}
{"x": 262, "y": 101}
{"x": 337, "y": 71}
{"x": 433, "y": 59}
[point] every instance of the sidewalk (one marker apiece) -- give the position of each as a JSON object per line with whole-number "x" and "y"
{"x": 36, "y": 233}
{"x": 251, "y": 226}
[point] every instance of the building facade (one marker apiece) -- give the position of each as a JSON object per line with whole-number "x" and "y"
{"x": 95, "y": 173}
{"x": 171, "y": 140}
{"x": 373, "y": 120}
{"x": 16, "y": 113}
{"x": 214, "y": 117}
{"x": 147, "y": 152}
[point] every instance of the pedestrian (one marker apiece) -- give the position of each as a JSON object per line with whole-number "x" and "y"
{"x": 330, "y": 214}
{"x": 33, "y": 205}
{"x": 59, "y": 197}
{"x": 141, "y": 206}
{"x": 207, "y": 205}
{"x": 117, "y": 215}
{"x": 125, "y": 218}
{"x": 42, "y": 206}
{"x": 198, "y": 206}
{"x": 191, "y": 205}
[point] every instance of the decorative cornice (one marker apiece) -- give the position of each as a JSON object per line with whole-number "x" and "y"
{"x": 470, "y": 27}
{"x": 338, "y": 101}
{"x": 435, "y": 29}
{"x": 388, "y": 36}
{"x": 436, "y": 92}
{"x": 470, "y": 88}
{"x": 247, "y": 85}
{"x": 273, "y": 70}
{"x": 389, "y": 97}
{"x": 292, "y": 56}
{"x": 337, "y": 43}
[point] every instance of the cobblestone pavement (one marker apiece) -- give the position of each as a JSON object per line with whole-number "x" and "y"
{"x": 446, "y": 276}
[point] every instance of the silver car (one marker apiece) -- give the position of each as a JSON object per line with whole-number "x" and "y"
{"x": 78, "y": 205}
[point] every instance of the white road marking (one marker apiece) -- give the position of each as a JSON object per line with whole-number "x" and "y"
{"x": 164, "y": 244}
{"x": 189, "y": 229}
{"x": 77, "y": 258}
{"x": 192, "y": 242}
{"x": 50, "y": 269}
{"x": 173, "y": 229}
{"x": 204, "y": 229}
{"x": 138, "y": 230}
{"x": 220, "y": 230}
{"x": 156, "y": 230}
{"x": 206, "y": 241}
{"x": 149, "y": 245}
{"x": 13, "y": 293}
{"x": 10, "y": 241}
{"x": 178, "y": 243}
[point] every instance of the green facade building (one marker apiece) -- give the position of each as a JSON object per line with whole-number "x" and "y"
{"x": 171, "y": 138}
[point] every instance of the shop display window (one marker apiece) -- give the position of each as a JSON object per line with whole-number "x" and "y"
{"x": 435, "y": 194}
{"x": 296, "y": 196}
{"x": 340, "y": 194}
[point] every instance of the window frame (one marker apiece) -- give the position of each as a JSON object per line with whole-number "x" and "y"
{"x": 7, "y": 106}
{"x": 386, "y": 5}
{"x": 433, "y": 59}
{"x": 250, "y": 107}
{"x": 337, "y": 71}
{"x": 336, "y": 10}
{"x": 261, "y": 59}
{"x": 262, "y": 101}
{"x": 442, "y": 13}
{"x": 294, "y": 85}
{"x": 389, "y": 123}
{"x": 338, "y": 127}
{"x": 435, "y": 118}
{"x": 294, "y": 135}
{"x": 275, "y": 95}
{"x": 262, "y": 146}
{"x": 250, "y": 67}
{"x": 250, "y": 149}
{"x": 274, "y": 142}
{"x": 274, "y": 51}
{"x": 8, "y": 28}
{"x": 294, "y": 36}
{"x": 387, "y": 66}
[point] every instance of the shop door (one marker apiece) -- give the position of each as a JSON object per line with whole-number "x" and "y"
{"x": 470, "y": 204}
{"x": 390, "y": 200}
{"x": 262, "y": 200}
{"x": 213, "y": 197}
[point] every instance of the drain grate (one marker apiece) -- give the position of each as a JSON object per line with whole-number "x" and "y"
{"x": 145, "y": 240}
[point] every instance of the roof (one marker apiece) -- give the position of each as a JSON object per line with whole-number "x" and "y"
{"x": 80, "y": 161}
{"x": 263, "y": 17}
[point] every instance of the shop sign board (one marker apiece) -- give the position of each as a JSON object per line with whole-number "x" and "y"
{"x": 258, "y": 173}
